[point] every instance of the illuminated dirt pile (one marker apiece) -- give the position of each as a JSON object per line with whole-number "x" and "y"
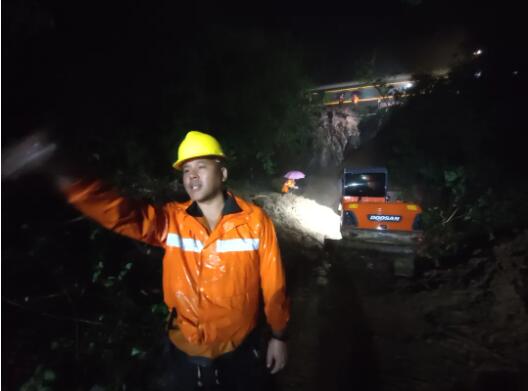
{"x": 300, "y": 219}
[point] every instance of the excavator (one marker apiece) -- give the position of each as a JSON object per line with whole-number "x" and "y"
{"x": 374, "y": 218}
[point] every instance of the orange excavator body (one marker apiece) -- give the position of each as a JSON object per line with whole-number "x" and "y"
{"x": 365, "y": 204}
{"x": 374, "y": 219}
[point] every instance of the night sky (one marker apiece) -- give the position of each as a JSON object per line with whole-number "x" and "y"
{"x": 60, "y": 55}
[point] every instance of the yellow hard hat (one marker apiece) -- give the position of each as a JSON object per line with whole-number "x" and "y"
{"x": 197, "y": 144}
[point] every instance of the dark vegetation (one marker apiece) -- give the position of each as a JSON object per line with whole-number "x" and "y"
{"x": 81, "y": 306}
{"x": 456, "y": 144}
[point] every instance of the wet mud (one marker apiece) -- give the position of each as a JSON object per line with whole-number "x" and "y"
{"x": 355, "y": 325}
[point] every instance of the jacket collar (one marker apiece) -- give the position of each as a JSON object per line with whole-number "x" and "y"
{"x": 230, "y": 207}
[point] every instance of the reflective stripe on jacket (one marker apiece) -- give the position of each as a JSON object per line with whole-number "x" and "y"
{"x": 212, "y": 280}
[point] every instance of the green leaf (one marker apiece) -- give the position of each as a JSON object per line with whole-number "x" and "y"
{"x": 95, "y": 275}
{"x": 49, "y": 375}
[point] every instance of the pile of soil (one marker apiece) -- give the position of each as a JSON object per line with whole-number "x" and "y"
{"x": 462, "y": 327}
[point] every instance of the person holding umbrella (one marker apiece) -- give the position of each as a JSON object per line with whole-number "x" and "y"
{"x": 291, "y": 177}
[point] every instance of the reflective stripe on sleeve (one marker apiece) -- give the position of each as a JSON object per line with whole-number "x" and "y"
{"x": 223, "y": 246}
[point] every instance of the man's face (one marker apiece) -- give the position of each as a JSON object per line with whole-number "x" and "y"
{"x": 203, "y": 179}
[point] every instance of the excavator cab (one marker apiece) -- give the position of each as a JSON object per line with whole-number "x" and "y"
{"x": 366, "y": 203}
{"x": 365, "y": 185}
{"x": 375, "y": 218}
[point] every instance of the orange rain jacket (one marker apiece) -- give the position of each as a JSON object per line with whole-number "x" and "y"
{"x": 289, "y": 184}
{"x": 212, "y": 280}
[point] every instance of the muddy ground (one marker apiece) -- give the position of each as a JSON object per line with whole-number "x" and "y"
{"x": 354, "y": 325}
{"x": 357, "y": 326}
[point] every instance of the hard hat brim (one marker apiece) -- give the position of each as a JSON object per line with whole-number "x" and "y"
{"x": 179, "y": 163}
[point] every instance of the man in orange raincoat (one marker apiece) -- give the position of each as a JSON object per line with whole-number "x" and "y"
{"x": 221, "y": 252}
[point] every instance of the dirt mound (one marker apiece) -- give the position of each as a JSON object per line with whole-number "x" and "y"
{"x": 464, "y": 326}
{"x": 457, "y": 327}
{"x": 301, "y": 219}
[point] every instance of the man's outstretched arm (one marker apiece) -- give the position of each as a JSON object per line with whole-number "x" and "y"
{"x": 95, "y": 199}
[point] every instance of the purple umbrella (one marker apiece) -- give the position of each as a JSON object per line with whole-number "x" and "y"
{"x": 294, "y": 175}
